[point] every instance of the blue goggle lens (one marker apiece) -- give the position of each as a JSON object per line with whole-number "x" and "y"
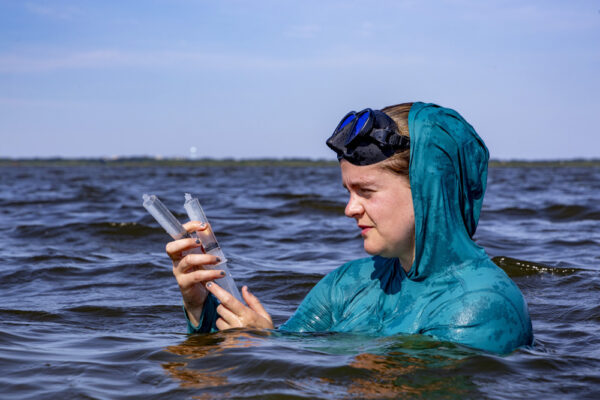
{"x": 358, "y": 125}
{"x": 362, "y": 120}
{"x": 346, "y": 121}
{"x": 379, "y": 137}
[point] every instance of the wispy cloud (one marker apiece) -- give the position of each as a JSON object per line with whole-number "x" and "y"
{"x": 366, "y": 29}
{"x": 81, "y": 60}
{"x": 106, "y": 59}
{"x": 541, "y": 16}
{"x": 24, "y": 102}
{"x": 52, "y": 11}
{"x": 303, "y": 31}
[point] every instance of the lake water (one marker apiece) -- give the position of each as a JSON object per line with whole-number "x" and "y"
{"x": 89, "y": 308}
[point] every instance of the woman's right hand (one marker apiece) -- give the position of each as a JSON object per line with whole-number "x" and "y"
{"x": 190, "y": 272}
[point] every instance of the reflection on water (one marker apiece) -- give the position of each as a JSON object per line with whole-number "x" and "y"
{"x": 395, "y": 376}
{"x": 334, "y": 364}
{"x": 205, "y": 346}
{"x": 89, "y": 307}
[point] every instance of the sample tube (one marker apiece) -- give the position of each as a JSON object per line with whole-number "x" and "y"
{"x": 164, "y": 217}
{"x": 211, "y": 246}
{"x": 196, "y": 213}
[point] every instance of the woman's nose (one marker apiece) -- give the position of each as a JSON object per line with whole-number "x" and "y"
{"x": 353, "y": 208}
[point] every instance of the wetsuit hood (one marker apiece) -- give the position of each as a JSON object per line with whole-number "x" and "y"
{"x": 448, "y": 176}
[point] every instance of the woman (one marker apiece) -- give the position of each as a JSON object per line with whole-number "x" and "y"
{"x": 416, "y": 176}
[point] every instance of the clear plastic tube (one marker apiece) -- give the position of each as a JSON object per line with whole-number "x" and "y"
{"x": 167, "y": 220}
{"x": 209, "y": 242}
{"x": 164, "y": 217}
{"x": 196, "y": 213}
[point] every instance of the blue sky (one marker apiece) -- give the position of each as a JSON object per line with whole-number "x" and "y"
{"x": 249, "y": 79}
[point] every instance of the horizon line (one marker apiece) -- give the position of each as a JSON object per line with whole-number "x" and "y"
{"x": 131, "y": 160}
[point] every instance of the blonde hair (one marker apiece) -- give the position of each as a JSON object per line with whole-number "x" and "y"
{"x": 399, "y": 162}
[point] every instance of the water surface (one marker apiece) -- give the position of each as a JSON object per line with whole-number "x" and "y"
{"x": 89, "y": 308}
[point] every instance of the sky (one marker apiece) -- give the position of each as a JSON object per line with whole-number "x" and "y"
{"x": 254, "y": 79}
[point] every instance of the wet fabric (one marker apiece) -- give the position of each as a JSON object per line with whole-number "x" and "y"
{"x": 453, "y": 291}
{"x": 208, "y": 318}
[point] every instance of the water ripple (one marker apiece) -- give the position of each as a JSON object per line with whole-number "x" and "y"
{"x": 90, "y": 308}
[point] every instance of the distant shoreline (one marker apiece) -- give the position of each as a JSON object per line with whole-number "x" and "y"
{"x": 207, "y": 162}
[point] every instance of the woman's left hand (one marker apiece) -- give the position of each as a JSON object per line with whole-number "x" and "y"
{"x": 234, "y": 314}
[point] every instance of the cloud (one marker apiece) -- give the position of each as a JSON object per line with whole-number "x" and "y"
{"x": 303, "y": 31}
{"x": 105, "y": 58}
{"x": 540, "y": 16}
{"x": 53, "y": 11}
{"x": 82, "y": 60}
{"x": 23, "y": 102}
{"x": 366, "y": 29}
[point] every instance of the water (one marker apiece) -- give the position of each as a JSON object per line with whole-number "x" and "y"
{"x": 89, "y": 308}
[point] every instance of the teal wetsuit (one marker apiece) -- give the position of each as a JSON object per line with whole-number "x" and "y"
{"x": 453, "y": 291}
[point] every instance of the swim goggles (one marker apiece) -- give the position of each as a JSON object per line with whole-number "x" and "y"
{"x": 367, "y": 137}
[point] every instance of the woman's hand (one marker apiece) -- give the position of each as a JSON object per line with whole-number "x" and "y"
{"x": 234, "y": 314}
{"x": 190, "y": 272}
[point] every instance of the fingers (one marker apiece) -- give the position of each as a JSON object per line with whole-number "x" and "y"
{"x": 254, "y": 303}
{"x": 222, "y": 325}
{"x": 194, "y": 262}
{"x": 194, "y": 226}
{"x": 226, "y": 298}
{"x": 195, "y": 277}
{"x": 230, "y": 310}
{"x": 176, "y": 248}
{"x": 230, "y": 318}
{"x": 233, "y": 314}
{"x": 194, "y": 269}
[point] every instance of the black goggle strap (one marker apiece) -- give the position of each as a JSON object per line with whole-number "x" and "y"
{"x": 390, "y": 138}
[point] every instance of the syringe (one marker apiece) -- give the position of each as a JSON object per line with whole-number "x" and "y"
{"x": 164, "y": 217}
{"x": 209, "y": 241}
{"x": 174, "y": 228}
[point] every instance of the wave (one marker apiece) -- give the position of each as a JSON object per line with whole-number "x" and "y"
{"x": 516, "y": 268}
{"x": 553, "y": 212}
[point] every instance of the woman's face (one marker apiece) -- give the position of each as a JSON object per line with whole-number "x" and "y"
{"x": 381, "y": 203}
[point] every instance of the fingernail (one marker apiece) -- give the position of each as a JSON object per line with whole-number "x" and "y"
{"x": 222, "y": 273}
{"x": 218, "y": 259}
{"x": 197, "y": 241}
{"x": 203, "y": 225}
{"x": 209, "y": 284}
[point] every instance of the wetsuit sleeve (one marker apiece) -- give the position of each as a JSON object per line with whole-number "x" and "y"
{"x": 208, "y": 318}
{"x": 483, "y": 320}
{"x": 316, "y": 312}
